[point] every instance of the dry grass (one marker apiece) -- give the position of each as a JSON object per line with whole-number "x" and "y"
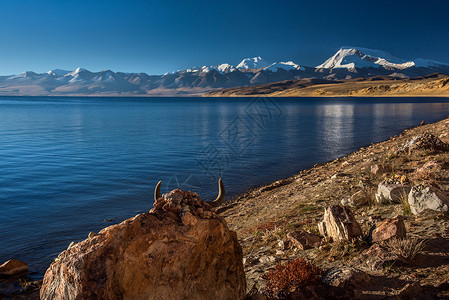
{"x": 406, "y": 210}
{"x": 405, "y": 248}
{"x": 276, "y": 234}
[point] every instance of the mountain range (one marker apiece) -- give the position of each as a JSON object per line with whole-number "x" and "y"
{"x": 346, "y": 63}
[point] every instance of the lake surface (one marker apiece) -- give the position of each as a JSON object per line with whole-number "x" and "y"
{"x": 69, "y": 166}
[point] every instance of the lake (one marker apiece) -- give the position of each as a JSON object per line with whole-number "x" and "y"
{"x": 73, "y": 165}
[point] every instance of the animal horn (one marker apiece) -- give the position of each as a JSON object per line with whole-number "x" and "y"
{"x": 157, "y": 191}
{"x": 221, "y": 195}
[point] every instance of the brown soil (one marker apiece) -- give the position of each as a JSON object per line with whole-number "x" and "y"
{"x": 262, "y": 217}
{"x": 432, "y": 85}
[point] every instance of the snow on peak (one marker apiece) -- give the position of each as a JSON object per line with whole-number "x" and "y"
{"x": 26, "y": 74}
{"x": 76, "y": 72}
{"x": 288, "y": 65}
{"x": 356, "y": 57}
{"x": 428, "y": 63}
{"x": 253, "y": 63}
{"x": 192, "y": 70}
{"x": 205, "y": 69}
{"x": 224, "y": 68}
{"x": 57, "y": 72}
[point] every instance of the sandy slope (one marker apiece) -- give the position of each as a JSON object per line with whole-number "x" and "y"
{"x": 432, "y": 85}
{"x": 262, "y": 217}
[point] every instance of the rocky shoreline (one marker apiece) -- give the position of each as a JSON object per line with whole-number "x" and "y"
{"x": 345, "y": 216}
{"x": 415, "y": 161}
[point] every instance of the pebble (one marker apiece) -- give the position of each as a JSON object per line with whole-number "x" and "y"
{"x": 267, "y": 259}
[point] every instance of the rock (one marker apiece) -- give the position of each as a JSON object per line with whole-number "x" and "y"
{"x": 422, "y": 197}
{"x": 424, "y": 141}
{"x": 250, "y": 261}
{"x": 380, "y": 169}
{"x": 91, "y": 234}
{"x": 412, "y": 291}
{"x": 391, "y": 192}
{"x": 339, "y": 224}
{"x": 283, "y": 244}
{"x": 154, "y": 255}
{"x": 303, "y": 240}
{"x": 345, "y": 277}
{"x": 357, "y": 199}
{"x": 432, "y": 165}
{"x": 339, "y": 175}
{"x": 267, "y": 259}
{"x": 387, "y": 229}
{"x": 376, "y": 257}
{"x": 13, "y": 267}
{"x": 427, "y": 172}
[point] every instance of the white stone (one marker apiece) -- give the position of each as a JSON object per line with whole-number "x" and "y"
{"x": 421, "y": 198}
{"x": 391, "y": 193}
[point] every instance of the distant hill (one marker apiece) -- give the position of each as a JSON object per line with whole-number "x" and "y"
{"x": 430, "y": 85}
{"x": 348, "y": 63}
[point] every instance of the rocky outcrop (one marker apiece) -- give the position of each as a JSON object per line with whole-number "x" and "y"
{"x": 422, "y": 197}
{"x": 345, "y": 277}
{"x": 380, "y": 169}
{"x": 13, "y": 267}
{"x": 425, "y": 141}
{"x": 179, "y": 250}
{"x": 391, "y": 192}
{"x": 303, "y": 240}
{"x": 377, "y": 256}
{"x": 339, "y": 224}
{"x": 357, "y": 199}
{"x": 388, "y": 229}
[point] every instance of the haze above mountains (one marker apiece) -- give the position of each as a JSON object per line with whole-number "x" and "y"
{"x": 347, "y": 63}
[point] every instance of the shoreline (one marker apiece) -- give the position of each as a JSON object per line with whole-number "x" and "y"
{"x": 263, "y": 216}
{"x": 303, "y": 196}
{"x": 203, "y": 95}
{"x": 330, "y": 96}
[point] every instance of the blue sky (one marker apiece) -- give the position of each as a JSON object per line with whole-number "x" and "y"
{"x": 160, "y": 36}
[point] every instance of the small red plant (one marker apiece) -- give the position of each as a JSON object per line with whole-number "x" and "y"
{"x": 287, "y": 278}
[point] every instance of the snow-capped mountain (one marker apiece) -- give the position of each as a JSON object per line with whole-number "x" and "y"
{"x": 253, "y": 63}
{"x": 353, "y": 58}
{"x": 347, "y": 63}
{"x": 57, "y": 72}
{"x": 225, "y": 68}
{"x": 289, "y": 65}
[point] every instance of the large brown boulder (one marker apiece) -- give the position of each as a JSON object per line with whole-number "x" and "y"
{"x": 303, "y": 240}
{"x": 339, "y": 224}
{"x": 388, "y": 229}
{"x": 179, "y": 250}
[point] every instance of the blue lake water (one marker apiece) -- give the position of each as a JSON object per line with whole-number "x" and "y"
{"x": 67, "y": 164}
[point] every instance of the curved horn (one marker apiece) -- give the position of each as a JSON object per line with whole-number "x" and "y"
{"x": 221, "y": 195}
{"x": 157, "y": 191}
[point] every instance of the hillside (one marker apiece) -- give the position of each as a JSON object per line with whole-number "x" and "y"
{"x": 431, "y": 85}
{"x": 265, "y": 217}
